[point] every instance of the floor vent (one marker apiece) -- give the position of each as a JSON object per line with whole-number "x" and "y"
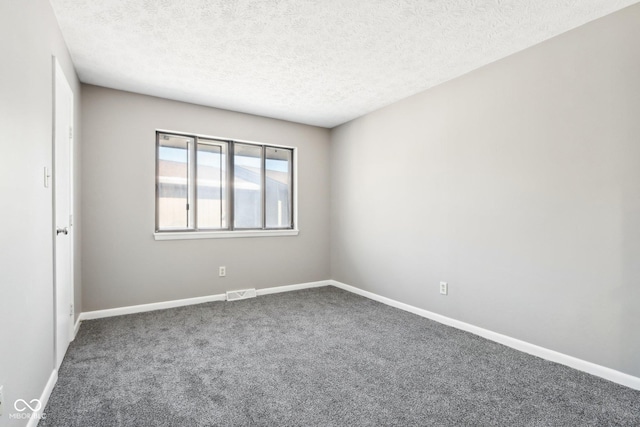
{"x": 243, "y": 294}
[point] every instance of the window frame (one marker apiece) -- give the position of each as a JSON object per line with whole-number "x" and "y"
{"x": 192, "y": 231}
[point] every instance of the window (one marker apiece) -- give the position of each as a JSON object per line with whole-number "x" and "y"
{"x": 211, "y": 186}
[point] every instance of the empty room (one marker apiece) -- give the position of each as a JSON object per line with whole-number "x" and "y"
{"x": 320, "y": 213}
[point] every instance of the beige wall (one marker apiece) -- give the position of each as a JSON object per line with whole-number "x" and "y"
{"x": 123, "y": 265}
{"x": 519, "y": 184}
{"x": 29, "y": 37}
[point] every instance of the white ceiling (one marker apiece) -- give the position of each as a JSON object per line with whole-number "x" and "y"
{"x": 320, "y": 62}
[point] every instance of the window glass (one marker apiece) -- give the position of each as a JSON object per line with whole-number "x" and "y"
{"x": 196, "y": 178}
{"x": 278, "y": 187}
{"x": 247, "y": 171}
{"x": 211, "y": 178}
{"x": 173, "y": 182}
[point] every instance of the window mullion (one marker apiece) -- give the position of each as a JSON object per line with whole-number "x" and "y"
{"x": 231, "y": 185}
{"x": 189, "y": 201}
{"x": 264, "y": 188}
{"x": 222, "y": 187}
{"x": 193, "y": 178}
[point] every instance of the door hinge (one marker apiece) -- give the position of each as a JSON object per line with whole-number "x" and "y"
{"x": 71, "y": 310}
{"x": 187, "y": 206}
{"x": 70, "y": 132}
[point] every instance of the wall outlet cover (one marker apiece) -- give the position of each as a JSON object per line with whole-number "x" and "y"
{"x": 444, "y": 288}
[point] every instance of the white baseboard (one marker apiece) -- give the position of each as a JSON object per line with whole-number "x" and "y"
{"x": 289, "y": 288}
{"x": 120, "y": 311}
{"x": 44, "y": 398}
{"x": 535, "y": 350}
{"x": 99, "y": 314}
{"x": 76, "y": 327}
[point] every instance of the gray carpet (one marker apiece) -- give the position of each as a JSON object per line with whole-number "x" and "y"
{"x": 317, "y": 357}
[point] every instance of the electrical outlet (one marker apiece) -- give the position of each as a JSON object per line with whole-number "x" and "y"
{"x": 1, "y": 399}
{"x": 444, "y": 288}
{"x": 222, "y": 271}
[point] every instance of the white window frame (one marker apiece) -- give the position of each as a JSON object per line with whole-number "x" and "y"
{"x": 230, "y": 232}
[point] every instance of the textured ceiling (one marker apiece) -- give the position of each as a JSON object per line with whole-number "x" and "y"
{"x": 321, "y": 62}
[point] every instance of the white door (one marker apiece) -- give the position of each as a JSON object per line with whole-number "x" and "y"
{"x": 63, "y": 209}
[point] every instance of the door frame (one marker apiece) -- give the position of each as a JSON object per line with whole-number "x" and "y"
{"x": 59, "y": 73}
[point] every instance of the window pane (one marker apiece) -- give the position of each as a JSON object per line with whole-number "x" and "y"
{"x": 278, "y": 185}
{"x": 247, "y": 166}
{"x": 212, "y": 204}
{"x": 173, "y": 189}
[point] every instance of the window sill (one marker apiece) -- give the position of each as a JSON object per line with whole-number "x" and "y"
{"x": 190, "y": 235}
